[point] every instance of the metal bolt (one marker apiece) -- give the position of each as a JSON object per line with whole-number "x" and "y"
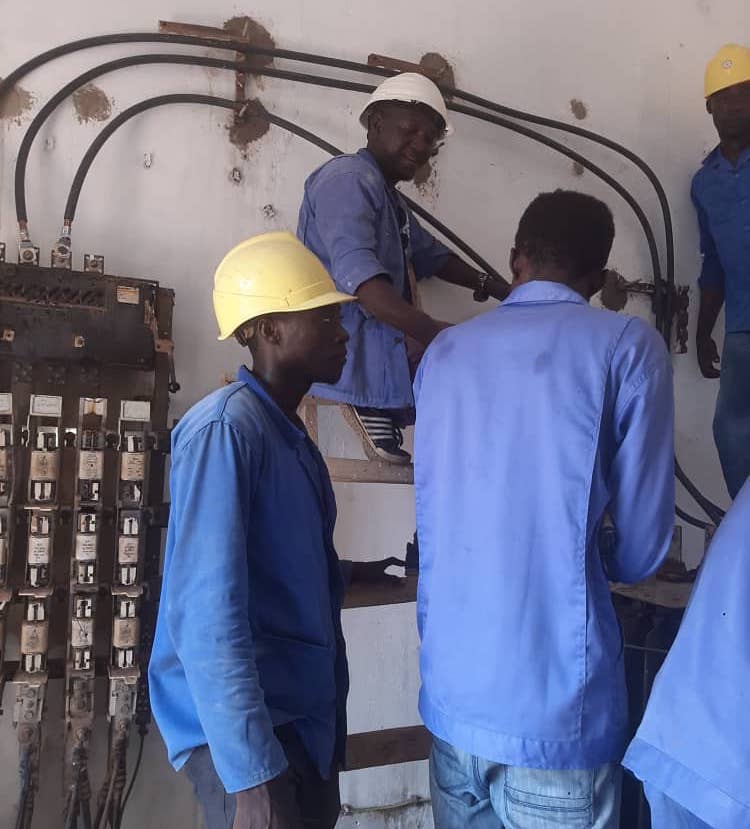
{"x": 236, "y": 175}
{"x": 148, "y": 160}
{"x": 269, "y": 211}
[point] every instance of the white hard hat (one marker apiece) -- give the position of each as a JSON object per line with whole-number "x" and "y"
{"x": 410, "y": 88}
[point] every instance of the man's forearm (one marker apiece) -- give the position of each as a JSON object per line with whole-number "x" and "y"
{"x": 712, "y": 300}
{"x": 378, "y": 297}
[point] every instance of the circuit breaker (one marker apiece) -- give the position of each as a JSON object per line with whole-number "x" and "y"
{"x": 85, "y": 375}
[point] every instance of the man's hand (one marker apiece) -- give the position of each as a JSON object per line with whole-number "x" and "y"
{"x": 708, "y": 357}
{"x": 271, "y": 805}
{"x": 372, "y": 572}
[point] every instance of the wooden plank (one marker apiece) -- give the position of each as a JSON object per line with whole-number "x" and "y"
{"x": 349, "y": 470}
{"x": 172, "y": 27}
{"x": 385, "y": 748}
{"x": 376, "y": 595}
{"x": 655, "y": 591}
{"x": 308, "y": 412}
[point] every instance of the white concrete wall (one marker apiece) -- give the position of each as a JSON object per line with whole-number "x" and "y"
{"x": 636, "y": 65}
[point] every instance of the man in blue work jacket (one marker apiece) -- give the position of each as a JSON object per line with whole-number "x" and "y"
{"x": 248, "y": 674}
{"x": 534, "y": 421}
{"x": 355, "y": 220}
{"x": 693, "y": 747}
{"x": 721, "y": 195}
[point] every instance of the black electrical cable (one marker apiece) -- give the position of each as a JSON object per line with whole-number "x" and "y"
{"x": 118, "y": 121}
{"x": 25, "y": 774}
{"x": 689, "y": 519}
{"x": 348, "y": 85}
{"x": 52, "y": 104}
{"x": 322, "y": 144}
{"x": 513, "y": 127}
{"x": 663, "y": 300}
{"x": 136, "y": 769}
{"x": 663, "y": 319}
{"x": 713, "y": 511}
{"x": 84, "y": 166}
{"x": 663, "y": 316}
{"x": 242, "y": 46}
{"x": 20, "y": 72}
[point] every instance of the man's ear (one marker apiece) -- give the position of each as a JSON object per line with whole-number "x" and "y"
{"x": 268, "y": 329}
{"x": 514, "y": 264}
{"x": 709, "y": 108}
{"x": 595, "y": 282}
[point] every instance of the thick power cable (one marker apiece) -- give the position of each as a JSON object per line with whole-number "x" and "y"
{"x": 74, "y": 193}
{"x": 51, "y": 105}
{"x": 663, "y": 314}
{"x": 714, "y": 512}
{"x": 663, "y": 311}
{"x": 689, "y": 519}
{"x": 118, "y": 121}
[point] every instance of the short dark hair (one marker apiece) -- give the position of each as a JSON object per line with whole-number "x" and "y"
{"x": 569, "y": 229}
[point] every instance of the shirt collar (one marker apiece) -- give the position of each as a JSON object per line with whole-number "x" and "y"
{"x": 716, "y": 161}
{"x": 540, "y": 291}
{"x": 367, "y": 156}
{"x": 291, "y": 433}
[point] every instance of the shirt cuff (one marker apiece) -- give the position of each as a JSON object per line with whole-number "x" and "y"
{"x": 428, "y": 264}
{"x": 356, "y": 268}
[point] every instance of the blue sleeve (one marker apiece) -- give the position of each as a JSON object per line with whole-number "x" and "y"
{"x": 206, "y": 595}
{"x": 641, "y": 477}
{"x": 346, "y": 217}
{"x": 427, "y": 253}
{"x": 712, "y": 273}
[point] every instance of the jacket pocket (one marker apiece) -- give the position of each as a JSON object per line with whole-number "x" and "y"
{"x": 547, "y": 798}
{"x": 297, "y": 677}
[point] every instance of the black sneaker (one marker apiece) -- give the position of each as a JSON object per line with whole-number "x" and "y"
{"x": 384, "y": 437}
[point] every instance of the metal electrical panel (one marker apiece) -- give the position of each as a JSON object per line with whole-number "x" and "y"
{"x": 85, "y": 374}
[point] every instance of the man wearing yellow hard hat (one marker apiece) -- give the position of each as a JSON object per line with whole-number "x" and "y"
{"x": 354, "y": 219}
{"x": 721, "y": 194}
{"x": 248, "y": 675}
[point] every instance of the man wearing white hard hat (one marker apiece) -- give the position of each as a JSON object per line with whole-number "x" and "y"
{"x": 721, "y": 195}
{"x": 354, "y": 219}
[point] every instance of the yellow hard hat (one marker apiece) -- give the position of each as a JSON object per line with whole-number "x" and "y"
{"x": 270, "y": 273}
{"x": 728, "y": 67}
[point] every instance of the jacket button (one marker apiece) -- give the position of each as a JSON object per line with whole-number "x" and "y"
{"x": 398, "y": 340}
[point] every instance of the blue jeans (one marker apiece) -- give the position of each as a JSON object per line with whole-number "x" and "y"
{"x": 667, "y": 814}
{"x": 732, "y": 418}
{"x": 471, "y": 793}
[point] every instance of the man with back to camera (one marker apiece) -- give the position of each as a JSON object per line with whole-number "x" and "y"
{"x": 721, "y": 195}
{"x": 533, "y": 421}
{"x": 248, "y": 674}
{"x": 354, "y": 219}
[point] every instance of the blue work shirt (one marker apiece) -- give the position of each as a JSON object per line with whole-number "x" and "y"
{"x": 694, "y": 741}
{"x": 721, "y": 195}
{"x": 249, "y": 632}
{"x": 533, "y": 421}
{"x": 354, "y": 221}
